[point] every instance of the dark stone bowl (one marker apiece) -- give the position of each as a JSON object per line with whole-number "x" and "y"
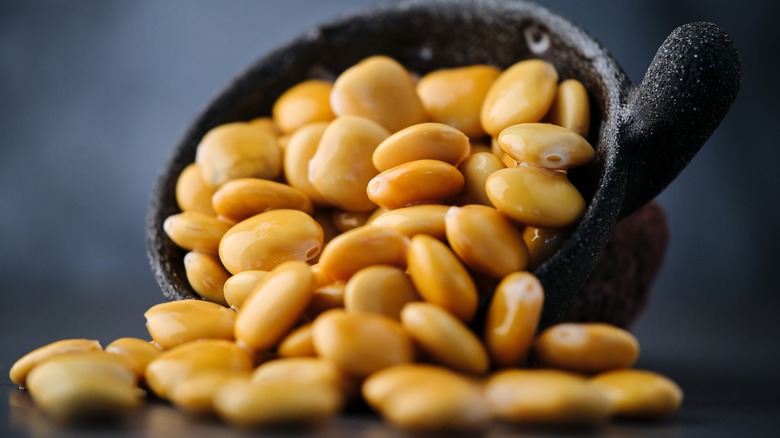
{"x": 644, "y": 134}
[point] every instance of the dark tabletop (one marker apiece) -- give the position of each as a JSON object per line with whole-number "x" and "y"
{"x": 93, "y": 94}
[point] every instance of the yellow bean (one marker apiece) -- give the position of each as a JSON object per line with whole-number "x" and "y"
{"x": 174, "y": 366}
{"x": 266, "y": 124}
{"x": 78, "y": 386}
{"x": 495, "y": 149}
{"x": 196, "y": 393}
{"x": 455, "y": 96}
{"x": 243, "y": 198}
{"x": 424, "y": 141}
{"x": 192, "y": 192}
{"x": 298, "y": 343}
{"x": 299, "y": 151}
{"x": 534, "y": 196}
{"x": 444, "y": 338}
{"x": 380, "y": 89}
{"x": 268, "y": 239}
{"x": 239, "y": 286}
{"x": 306, "y": 102}
{"x": 349, "y": 220}
{"x": 382, "y": 385}
{"x": 362, "y": 247}
{"x": 273, "y": 308}
{"x": 195, "y": 231}
{"x": 639, "y": 393}
{"x": 326, "y": 297}
{"x": 137, "y": 352}
{"x": 238, "y": 150}
{"x": 440, "y": 278}
{"x": 379, "y": 289}
{"x": 542, "y": 243}
{"x": 586, "y": 347}
{"x": 341, "y": 168}
{"x": 571, "y": 107}
{"x": 486, "y": 240}
{"x": 206, "y": 275}
{"x": 417, "y": 219}
{"x": 545, "y": 397}
{"x": 522, "y": 93}
{"x": 415, "y": 182}
{"x": 512, "y": 318}
{"x": 177, "y": 322}
{"x": 476, "y": 169}
{"x": 545, "y": 145}
{"x": 303, "y": 370}
{"x": 22, "y": 367}
{"x": 361, "y": 343}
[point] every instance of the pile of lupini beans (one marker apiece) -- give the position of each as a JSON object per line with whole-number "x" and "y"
{"x": 342, "y": 248}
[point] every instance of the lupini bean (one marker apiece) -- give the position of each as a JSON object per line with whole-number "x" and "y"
{"x": 238, "y": 150}
{"x": 415, "y": 182}
{"x": 195, "y": 231}
{"x": 300, "y": 149}
{"x": 298, "y": 343}
{"x": 476, "y": 169}
{"x": 206, "y": 275}
{"x": 425, "y": 141}
{"x": 273, "y": 308}
{"x": 571, "y": 107}
{"x": 326, "y": 297}
{"x": 349, "y": 220}
{"x": 521, "y": 94}
{"x": 586, "y": 347}
{"x": 196, "y": 393}
{"x": 264, "y": 241}
{"x": 360, "y": 248}
{"x": 304, "y": 103}
{"x": 535, "y": 196}
{"x": 455, "y": 96}
{"x": 638, "y": 393}
{"x": 379, "y": 289}
{"x": 22, "y": 367}
{"x": 239, "y": 286}
{"x": 177, "y": 322}
{"x": 192, "y": 192}
{"x": 545, "y": 145}
{"x": 486, "y": 240}
{"x": 341, "y": 168}
{"x": 137, "y": 352}
{"x": 542, "y": 243}
{"x": 243, "y": 198}
{"x": 380, "y": 89}
{"x": 417, "y": 219}
{"x": 304, "y": 370}
{"x": 512, "y": 318}
{"x": 266, "y": 124}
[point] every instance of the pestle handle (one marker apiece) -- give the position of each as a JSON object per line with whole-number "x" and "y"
{"x": 686, "y": 92}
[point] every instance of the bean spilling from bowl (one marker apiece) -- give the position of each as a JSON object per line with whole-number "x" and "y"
{"x": 373, "y": 241}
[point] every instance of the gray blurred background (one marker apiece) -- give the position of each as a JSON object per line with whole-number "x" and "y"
{"x": 93, "y": 94}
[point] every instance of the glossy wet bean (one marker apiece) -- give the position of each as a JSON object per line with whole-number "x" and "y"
{"x": 586, "y": 347}
{"x": 206, "y": 275}
{"x": 137, "y": 352}
{"x": 362, "y": 247}
{"x": 424, "y": 141}
{"x": 192, "y": 191}
{"x": 476, "y": 169}
{"x": 300, "y": 149}
{"x": 379, "y": 289}
{"x": 545, "y": 145}
{"x": 301, "y": 104}
{"x": 639, "y": 393}
{"x": 417, "y": 219}
{"x": 415, "y": 182}
{"x": 243, "y": 198}
{"x": 239, "y": 286}
{"x": 195, "y": 231}
{"x": 571, "y": 107}
{"x": 22, "y": 367}
{"x": 178, "y": 322}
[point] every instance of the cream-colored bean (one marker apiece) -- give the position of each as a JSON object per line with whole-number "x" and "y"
{"x": 379, "y": 289}
{"x": 300, "y": 149}
{"x": 341, "y": 168}
{"x": 545, "y": 397}
{"x": 137, "y": 352}
{"x": 22, "y": 367}
{"x": 195, "y": 231}
{"x": 192, "y": 191}
{"x": 476, "y": 169}
{"x": 513, "y": 318}
{"x": 264, "y": 241}
{"x": 174, "y": 366}
{"x": 415, "y": 182}
{"x": 298, "y": 343}
{"x": 247, "y": 404}
{"x": 243, "y": 198}
{"x": 486, "y": 240}
{"x": 444, "y": 338}
{"x": 77, "y": 386}
{"x": 417, "y": 219}
{"x": 362, "y": 247}
{"x": 239, "y": 286}
{"x": 177, "y": 322}
{"x": 440, "y": 278}
{"x": 434, "y": 400}
{"x": 361, "y": 343}
{"x": 273, "y": 308}
{"x": 324, "y": 298}
{"x": 380, "y": 89}
{"x": 238, "y": 150}
{"x": 349, "y": 220}
{"x": 196, "y": 393}
{"x": 571, "y": 107}
{"x": 520, "y": 94}
{"x": 542, "y": 243}
{"x": 206, "y": 275}
{"x": 535, "y": 196}
{"x": 545, "y": 145}
{"x": 639, "y": 393}
{"x": 301, "y": 104}
{"x": 586, "y": 347}
{"x": 424, "y": 141}
{"x": 455, "y": 96}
